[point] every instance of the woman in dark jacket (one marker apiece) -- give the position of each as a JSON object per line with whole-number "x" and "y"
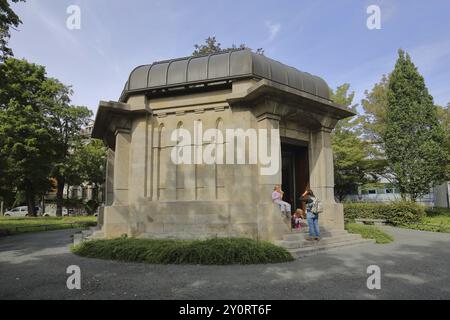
{"x": 313, "y": 219}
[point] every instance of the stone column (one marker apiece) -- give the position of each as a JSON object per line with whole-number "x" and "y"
{"x": 138, "y": 161}
{"x": 138, "y": 155}
{"x": 121, "y": 167}
{"x": 271, "y": 225}
{"x": 322, "y": 178}
{"x": 109, "y": 184}
{"x": 116, "y": 216}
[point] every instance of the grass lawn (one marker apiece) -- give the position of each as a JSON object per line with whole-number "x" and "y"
{"x": 369, "y": 232}
{"x": 220, "y": 251}
{"x": 11, "y": 225}
{"x": 437, "y": 220}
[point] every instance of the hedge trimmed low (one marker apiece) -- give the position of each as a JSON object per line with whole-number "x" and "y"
{"x": 396, "y": 213}
{"x": 219, "y": 251}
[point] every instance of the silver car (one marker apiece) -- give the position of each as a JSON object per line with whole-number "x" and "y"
{"x": 20, "y": 212}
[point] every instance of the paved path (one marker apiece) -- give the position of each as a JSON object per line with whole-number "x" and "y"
{"x": 416, "y": 266}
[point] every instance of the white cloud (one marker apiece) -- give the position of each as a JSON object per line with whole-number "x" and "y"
{"x": 274, "y": 29}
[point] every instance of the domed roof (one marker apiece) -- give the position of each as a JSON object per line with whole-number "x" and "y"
{"x": 237, "y": 64}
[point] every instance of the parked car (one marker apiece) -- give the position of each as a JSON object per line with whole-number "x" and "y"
{"x": 21, "y": 212}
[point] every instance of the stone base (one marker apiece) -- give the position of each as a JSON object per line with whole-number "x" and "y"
{"x": 116, "y": 221}
{"x": 332, "y": 217}
{"x": 207, "y": 219}
{"x": 183, "y": 219}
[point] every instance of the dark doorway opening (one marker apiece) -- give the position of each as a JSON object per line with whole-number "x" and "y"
{"x": 295, "y": 173}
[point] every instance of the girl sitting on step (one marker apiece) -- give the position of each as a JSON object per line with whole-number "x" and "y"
{"x": 277, "y": 197}
{"x": 298, "y": 219}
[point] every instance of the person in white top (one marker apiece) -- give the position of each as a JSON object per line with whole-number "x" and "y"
{"x": 277, "y": 197}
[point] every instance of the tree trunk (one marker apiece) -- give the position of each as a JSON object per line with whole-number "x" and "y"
{"x": 29, "y": 196}
{"x": 95, "y": 193}
{"x": 43, "y": 205}
{"x": 60, "y": 182}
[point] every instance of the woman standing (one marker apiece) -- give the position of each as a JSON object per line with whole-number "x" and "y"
{"x": 313, "y": 219}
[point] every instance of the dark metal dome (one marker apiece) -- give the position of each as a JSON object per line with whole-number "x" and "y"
{"x": 230, "y": 65}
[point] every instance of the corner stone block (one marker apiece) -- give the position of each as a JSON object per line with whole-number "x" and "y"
{"x": 116, "y": 221}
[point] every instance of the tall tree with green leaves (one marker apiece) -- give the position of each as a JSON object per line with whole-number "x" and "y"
{"x": 211, "y": 45}
{"x": 92, "y": 159}
{"x": 349, "y": 150}
{"x": 413, "y": 138}
{"x": 66, "y": 121}
{"x": 375, "y": 108}
{"x": 24, "y": 145}
{"x": 8, "y": 20}
{"x": 444, "y": 120}
{"x": 25, "y": 131}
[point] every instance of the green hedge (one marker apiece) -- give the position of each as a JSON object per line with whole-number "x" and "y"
{"x": 396, "y": 213}
{"x": 437, "y": 212}
{"x": 220, "y": 251}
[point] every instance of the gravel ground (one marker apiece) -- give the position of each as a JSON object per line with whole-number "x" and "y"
{"x": 415, "y": 266}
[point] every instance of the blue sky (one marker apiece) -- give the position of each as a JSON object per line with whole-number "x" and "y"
{"x": 323, "y": 37}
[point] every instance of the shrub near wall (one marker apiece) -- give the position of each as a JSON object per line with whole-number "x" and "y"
{"x": 396, "y": 213}
{"x": 219, "y": 251}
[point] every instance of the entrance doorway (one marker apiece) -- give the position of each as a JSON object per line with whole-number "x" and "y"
{"x": 295, "y": 173}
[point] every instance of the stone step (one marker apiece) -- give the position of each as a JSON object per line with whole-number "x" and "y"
{"x": 77, "y": 238}
{"x": 86, "y": 233}
{"x": 97, "y": 235}
{"x": 313, "y": 250}
{"x": 323, "y": 241}
{"x": 303, "y": 235}
{"x": 94, "y": 229}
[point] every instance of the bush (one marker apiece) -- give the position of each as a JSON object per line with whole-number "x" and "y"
{"x": 431, "y": 212}
{"x": 396, "y": 213}
{"x": 91, "y": 206}
{"x": 220, "y": 251}
{"x": 369, "y": 232}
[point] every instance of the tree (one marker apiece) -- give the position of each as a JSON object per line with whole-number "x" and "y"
{"x": 413, "y": 138}
{"x": 349, "y": 150}
{"x": 66, "y": 121}
{"x": 7, "y": 193}
{"x": 25, "y": 132}
{"x": 8, "y": 20}
{"x": 92, "y": 159}
{"x": 444, "y": 120}
{"x": 86, "y": 165}
{"x": 24, "y": 141}
{"x": 212, "y": 46}
{"x": 349, "y": 164}
{"x": 375, "y": 108}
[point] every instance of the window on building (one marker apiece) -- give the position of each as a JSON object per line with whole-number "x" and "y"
{"x": 372, "y": 191}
